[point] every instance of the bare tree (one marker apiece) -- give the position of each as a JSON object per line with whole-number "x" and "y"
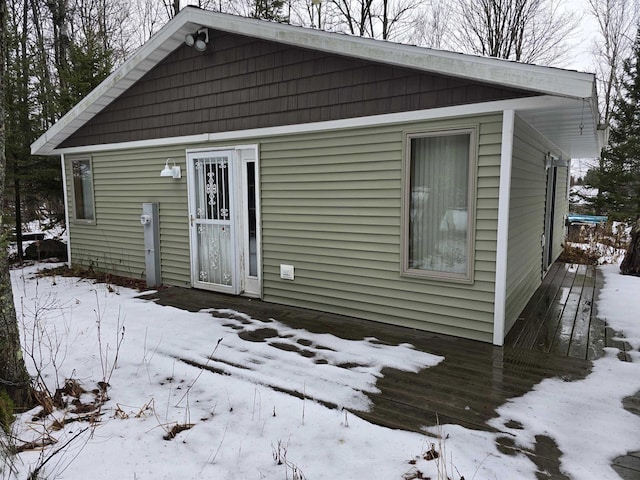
{"x": 59, "y": 11}
{"x": 144, "y": 20}
{"x": 431, "y": 27}
{"x": 14, "y": 378}
{"x": 385, "y": 19}
{"x": 309, "y": 13}
{"x": 531, "y": 31}
{"x": 102, "y": 22}
{"x": 616, "y": 20}
{"x": 396, "y": 19}
{"x": 172, "y": 7}
{"x": 355, "y": 16}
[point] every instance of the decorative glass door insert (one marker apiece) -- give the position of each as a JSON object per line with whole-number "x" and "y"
{"x": 212, "y": 221}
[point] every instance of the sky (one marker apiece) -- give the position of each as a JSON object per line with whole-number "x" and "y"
{"x": 582, "y": 43}
{"x": 239, "y": 423}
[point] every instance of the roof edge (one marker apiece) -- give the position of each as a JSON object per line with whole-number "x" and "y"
{"x": 543, "y": 80}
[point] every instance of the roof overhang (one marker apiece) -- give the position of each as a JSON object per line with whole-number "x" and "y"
{"x": 570, "y": 124}
{"x": 555, "y": 121}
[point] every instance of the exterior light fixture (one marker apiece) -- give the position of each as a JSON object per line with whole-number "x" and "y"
{"x": 168, "y": 171}
{"x": 551, "y": 160}
{"x": 198, "y": 40}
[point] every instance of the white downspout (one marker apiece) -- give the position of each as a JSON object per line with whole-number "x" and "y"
{"x": 66, "y": 208}
{"x": 504, "y": 197}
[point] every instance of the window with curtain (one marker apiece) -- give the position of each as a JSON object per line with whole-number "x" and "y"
{"x": 83, "y": 206}
{"x": 439, "y": 197}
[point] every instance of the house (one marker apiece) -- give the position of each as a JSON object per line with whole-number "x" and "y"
{"x": 376, "y": 180}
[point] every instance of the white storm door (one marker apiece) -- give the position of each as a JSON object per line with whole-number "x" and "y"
{"x": 213, "y": 218}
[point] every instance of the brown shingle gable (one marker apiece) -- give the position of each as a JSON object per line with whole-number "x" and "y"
{"x": 243, "y": 83}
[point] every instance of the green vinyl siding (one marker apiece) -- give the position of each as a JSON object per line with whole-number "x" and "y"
{"x": 123, "y": 181}
{"x": 526, "y": 218}
{"x": 331, "y": 207}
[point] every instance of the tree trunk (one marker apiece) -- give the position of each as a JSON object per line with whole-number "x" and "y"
{"x": 14, "y": 378}
{"x": 18, "y": 206}
{"x": 631, "y": 263}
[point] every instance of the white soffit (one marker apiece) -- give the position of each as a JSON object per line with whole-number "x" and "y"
{"x": 570, "y": 124}
{"x": 544, "y": 80}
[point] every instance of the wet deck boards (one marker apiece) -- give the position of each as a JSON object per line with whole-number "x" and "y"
{"x": 561, "y": 318}
{"x": 556, "y": 337}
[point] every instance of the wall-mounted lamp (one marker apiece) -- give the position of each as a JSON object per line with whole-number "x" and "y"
{"x": 168, "y": 171}
{"x": 551, "y": 160}
{"x": 198, "y": 40}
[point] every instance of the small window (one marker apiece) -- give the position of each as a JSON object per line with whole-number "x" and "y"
{"x": 438, "y": 224}
{"x": 83, "y": 206}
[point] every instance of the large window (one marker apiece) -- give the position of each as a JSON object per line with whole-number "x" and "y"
{"x": 83, "y": 207}
{"x": 439, "y": 204}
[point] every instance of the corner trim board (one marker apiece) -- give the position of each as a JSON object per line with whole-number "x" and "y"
{"x": 66, "y": 208}
{"x": 506, "y": 156}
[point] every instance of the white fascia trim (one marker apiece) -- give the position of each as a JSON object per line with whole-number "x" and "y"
{"x": 375, "y": 120}
{"x": 66, "y": 209}
{"x": 506, "y": 154}
{"x": 135, "y": 67}
{"x": 547, "y": 80}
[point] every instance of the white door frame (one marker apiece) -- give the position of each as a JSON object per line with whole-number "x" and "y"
{"x": 549, "y": 218}
{"x": 251, "y": 282}
{"x": 242, "y": 281}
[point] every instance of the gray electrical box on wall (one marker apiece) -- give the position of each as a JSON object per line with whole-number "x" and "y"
{"x": 149, "y": 221}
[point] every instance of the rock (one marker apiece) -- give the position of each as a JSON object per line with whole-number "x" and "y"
{"x": 48, "y": 248}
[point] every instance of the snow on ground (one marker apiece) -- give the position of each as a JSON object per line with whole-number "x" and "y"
{"x": 619, "y": 303}
{"x": 46, "y": 227}
{"x": 579, "y": 193}
{"x": 606, "y": 254}
{"x": 240, "y": 423}
{"x": 586, "y": 418}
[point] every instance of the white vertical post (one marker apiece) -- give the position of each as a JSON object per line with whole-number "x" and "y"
{"x": 506, "y": 156}
{"x": 65, "y": 196}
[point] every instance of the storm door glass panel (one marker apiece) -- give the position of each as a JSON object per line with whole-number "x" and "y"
{"x": 215, "y": 253}
{"x": 252, "y": 219}
{"x": 439, "y": 204}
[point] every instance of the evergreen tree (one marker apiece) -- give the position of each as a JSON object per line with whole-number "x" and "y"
{"x": 32, "y": 183}
{"x": 89, "y": 63}
{"x": 617, "y": 178}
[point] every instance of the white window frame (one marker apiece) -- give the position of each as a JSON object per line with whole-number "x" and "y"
{"x": 468, "y": 276}
{"x": 76, "y": 219}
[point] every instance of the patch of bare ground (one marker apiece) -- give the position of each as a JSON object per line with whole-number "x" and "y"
{"x": 99, "y": 276}
{"x": 176, "y": 429}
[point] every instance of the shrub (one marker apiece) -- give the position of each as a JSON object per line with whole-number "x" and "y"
{"x": 6, "y": 411}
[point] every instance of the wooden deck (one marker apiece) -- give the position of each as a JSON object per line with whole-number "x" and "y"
{"x": 560, "y": 319}
{"x": 556, "y": 336}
